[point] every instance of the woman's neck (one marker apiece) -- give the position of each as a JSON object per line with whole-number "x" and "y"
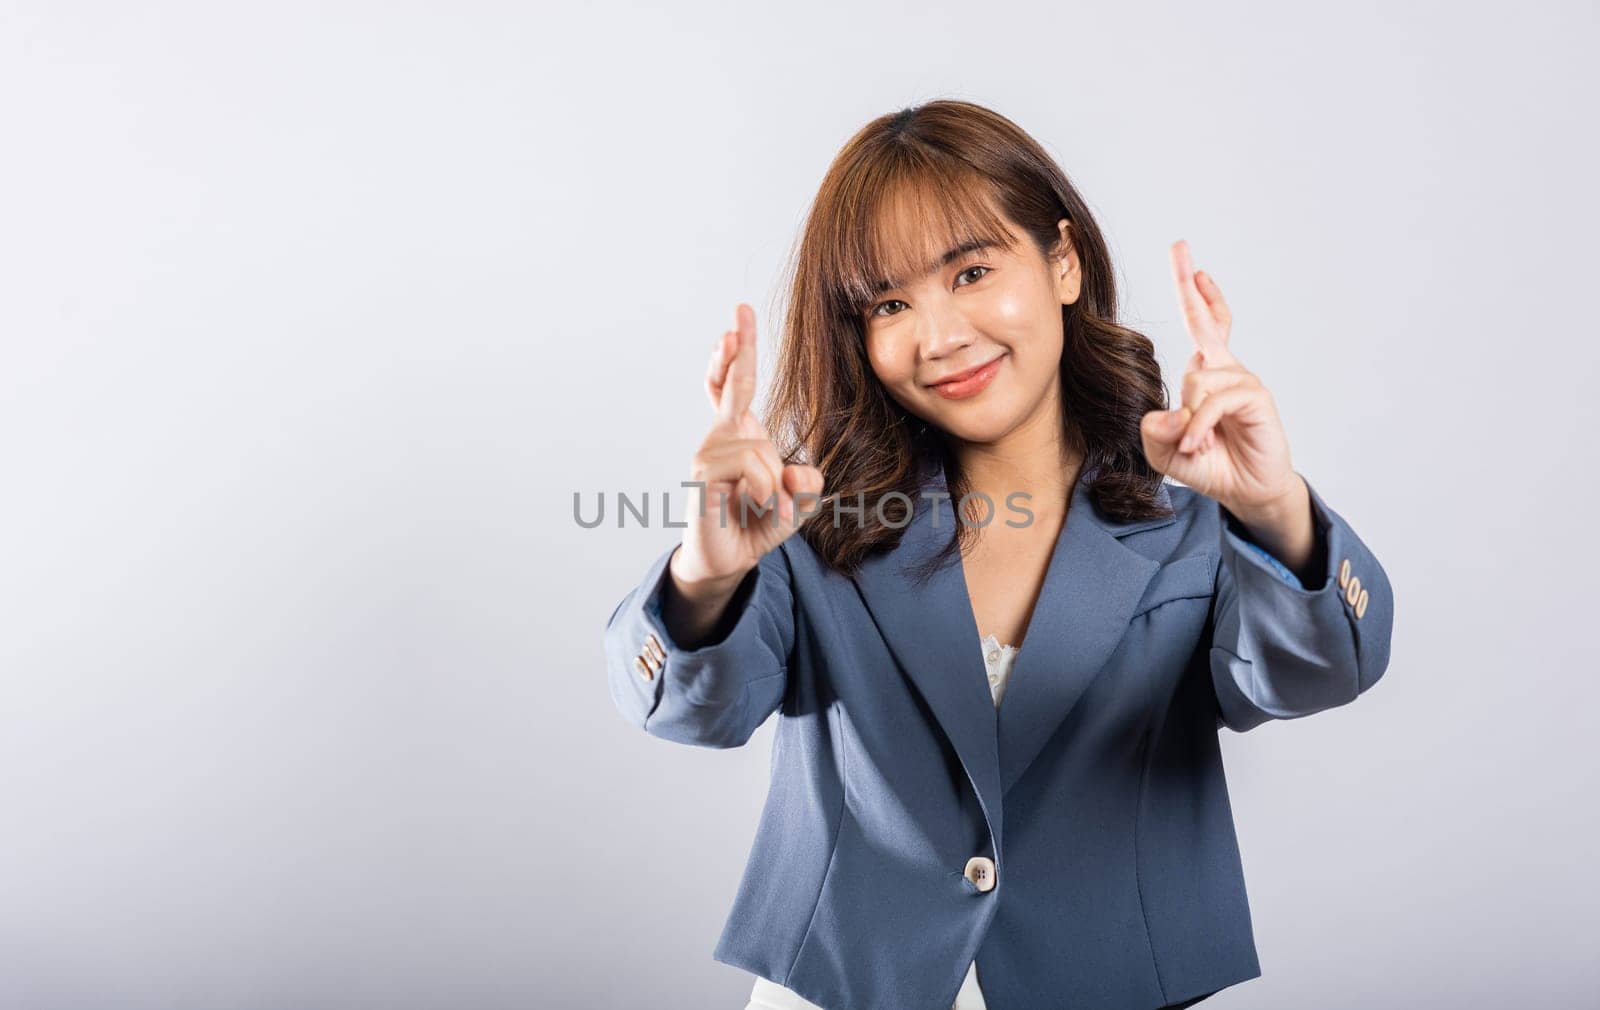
{"x": 1040, "y": 467}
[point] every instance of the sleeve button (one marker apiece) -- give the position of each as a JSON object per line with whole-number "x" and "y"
{"x": 644, "y": 671}
{"x": 1352, "y": 590}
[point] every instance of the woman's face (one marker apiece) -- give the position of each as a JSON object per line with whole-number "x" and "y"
{"x": 996, "y": 310}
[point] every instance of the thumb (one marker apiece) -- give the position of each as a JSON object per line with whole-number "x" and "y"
{"x": 1166, "y": 426}
{"x": 798, "y": 478}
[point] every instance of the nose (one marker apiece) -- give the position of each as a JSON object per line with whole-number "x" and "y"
{"x": 943, "y": 332}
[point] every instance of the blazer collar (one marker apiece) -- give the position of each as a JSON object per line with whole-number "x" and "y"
{"x": 1091, "y": 587}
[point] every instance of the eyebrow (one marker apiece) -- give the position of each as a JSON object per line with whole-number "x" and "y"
{"x": 949, "y": 257}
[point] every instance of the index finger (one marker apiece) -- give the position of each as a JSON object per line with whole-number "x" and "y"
{"x": 739, "y": 386}
{"x": 1197, "y": 318}
{"x": 717, "y": 367}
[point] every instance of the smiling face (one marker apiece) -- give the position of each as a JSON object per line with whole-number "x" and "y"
{"x": 989, "y": 318}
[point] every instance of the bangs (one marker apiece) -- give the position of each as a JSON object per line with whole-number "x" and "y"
{"x": 903, "y": 220}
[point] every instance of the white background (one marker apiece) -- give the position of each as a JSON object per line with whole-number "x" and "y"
{"x": 313, "y": 317}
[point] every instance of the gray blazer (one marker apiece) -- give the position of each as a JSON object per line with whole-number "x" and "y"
{"x": 1078, "y": 841}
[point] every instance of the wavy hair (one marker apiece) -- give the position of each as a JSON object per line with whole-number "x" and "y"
{"x": 947, "y": 168}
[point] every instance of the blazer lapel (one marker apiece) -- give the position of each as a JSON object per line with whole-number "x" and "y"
{"x": 1092, "y": 584}
{"x": 930, "y": 629}
{"x": 1091, "y": 587}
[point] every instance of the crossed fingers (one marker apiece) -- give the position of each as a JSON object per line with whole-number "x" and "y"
{"x": 1205, "y": 314}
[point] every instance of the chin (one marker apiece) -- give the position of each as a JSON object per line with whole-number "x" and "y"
{"x": 979, "y": 425}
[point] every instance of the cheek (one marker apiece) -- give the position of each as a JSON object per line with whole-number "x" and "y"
{"x": 1025, "y": 313}
{"x": 1022, "y": 308}
{"x": 890, "y": 359}
{"x": 1014, "y": 308}
{"x": 1030, "y": 325}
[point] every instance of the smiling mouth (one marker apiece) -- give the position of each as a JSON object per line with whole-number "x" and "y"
{"x": 969, "y": 383}
{"x": 965, "y": 375}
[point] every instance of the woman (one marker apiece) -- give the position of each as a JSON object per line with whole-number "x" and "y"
{"x": 951, "y": 348}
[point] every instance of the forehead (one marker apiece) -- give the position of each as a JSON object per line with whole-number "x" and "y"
{"x": 918, "y": 229}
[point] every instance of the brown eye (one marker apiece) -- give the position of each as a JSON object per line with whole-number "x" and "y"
{"x": 876, "y": 309}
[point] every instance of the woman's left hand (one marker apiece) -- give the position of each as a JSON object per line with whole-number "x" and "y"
{"x": 1225, "y": 440}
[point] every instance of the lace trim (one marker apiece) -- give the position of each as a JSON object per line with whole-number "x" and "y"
{"x": 992, "y": 642}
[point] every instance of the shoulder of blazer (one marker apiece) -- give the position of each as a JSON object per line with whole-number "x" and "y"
{"x": 1190, "y": 504}
{"x": 1198, "y": 524}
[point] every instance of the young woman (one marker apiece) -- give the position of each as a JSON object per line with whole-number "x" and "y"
{"x": 930, "y": 840}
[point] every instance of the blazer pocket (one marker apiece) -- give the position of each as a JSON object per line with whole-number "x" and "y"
{"x": 1184, "y": 578}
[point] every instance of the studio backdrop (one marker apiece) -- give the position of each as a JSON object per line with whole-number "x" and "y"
{"x": 326, "y": 329}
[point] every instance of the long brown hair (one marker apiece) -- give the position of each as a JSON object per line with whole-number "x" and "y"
{"x": 946, "y": 167}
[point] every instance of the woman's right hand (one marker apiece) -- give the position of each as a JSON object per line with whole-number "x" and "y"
{"x": 737, "y": 460}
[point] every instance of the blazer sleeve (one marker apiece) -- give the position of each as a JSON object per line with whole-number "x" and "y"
{"x": 715, "y": 695}
{"x": 1278, "y": 566}
{"x": 1280, "y": 650}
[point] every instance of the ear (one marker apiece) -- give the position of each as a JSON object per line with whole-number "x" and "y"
{"x": 1067, "y": 266}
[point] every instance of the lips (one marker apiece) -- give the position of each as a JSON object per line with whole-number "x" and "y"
{"x": 970, "y": 382}
{"x": 965, "y": 374}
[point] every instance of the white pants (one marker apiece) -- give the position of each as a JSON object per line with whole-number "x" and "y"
{"x": 769, "y": 995}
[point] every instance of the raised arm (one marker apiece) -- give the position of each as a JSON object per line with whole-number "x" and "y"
{"x": 714, "y": 695}
{"x": 1280, "y": 650}
{"x": 697, "y": 652}
{"x": 1303, "y": 611}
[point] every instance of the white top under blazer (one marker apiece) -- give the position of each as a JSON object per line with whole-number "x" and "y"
{"x": 769, "y": 995}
